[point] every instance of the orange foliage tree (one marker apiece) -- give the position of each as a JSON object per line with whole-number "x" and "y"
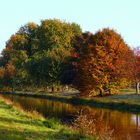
{"x": 102, "y": 60}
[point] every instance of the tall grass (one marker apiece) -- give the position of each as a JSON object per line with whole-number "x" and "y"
{"x": 86, "y": 124}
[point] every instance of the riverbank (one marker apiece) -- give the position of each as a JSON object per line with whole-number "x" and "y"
{"x": 126, "y": 101}
{"x": 16, "y": 124}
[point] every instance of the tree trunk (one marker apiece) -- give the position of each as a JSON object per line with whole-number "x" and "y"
{"x": 13, "y": 90}
{"x": 137, "y": 121}
{"x": 137, "y": 87}
{"x": 52, "y": 89}
{"x": 109, "y": 91}
{"x": 101, "y": 92}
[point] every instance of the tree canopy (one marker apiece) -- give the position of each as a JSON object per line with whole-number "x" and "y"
{"x": 38, "y": 51}
{"x": 101, "y": 61}
{"x": 58, "y": 53}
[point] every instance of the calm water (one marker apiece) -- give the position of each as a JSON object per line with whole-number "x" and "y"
{"x": 125, "y": 126}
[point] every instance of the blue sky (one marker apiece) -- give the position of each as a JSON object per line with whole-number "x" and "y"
{"x": 91, "y": 15}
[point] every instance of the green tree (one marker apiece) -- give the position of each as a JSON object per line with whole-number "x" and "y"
{"x": 19, "y": 48}
{"x": 55, "y": 45}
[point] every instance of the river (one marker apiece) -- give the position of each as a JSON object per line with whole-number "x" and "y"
{"x": 124, "y": 125}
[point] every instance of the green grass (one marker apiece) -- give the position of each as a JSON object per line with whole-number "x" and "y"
{"x": 127, "y": 91}
{"x": 125, "y": 96}
{"x": 16, "y": 124}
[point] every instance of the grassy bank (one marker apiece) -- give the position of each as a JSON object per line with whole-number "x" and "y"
{"x": 16, "y": 124}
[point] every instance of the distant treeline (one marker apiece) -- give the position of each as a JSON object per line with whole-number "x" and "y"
{"x": 57, "y": 53}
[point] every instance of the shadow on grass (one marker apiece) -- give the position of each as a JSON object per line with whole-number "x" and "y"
{"x": 24, "y": 122}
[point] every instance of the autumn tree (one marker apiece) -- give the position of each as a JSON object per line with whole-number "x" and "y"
{"x": 135, "y": 68}
{"x": 7, "y": 74}
{"x": 119, "y": 55}
{"x": 101, "y": 61}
